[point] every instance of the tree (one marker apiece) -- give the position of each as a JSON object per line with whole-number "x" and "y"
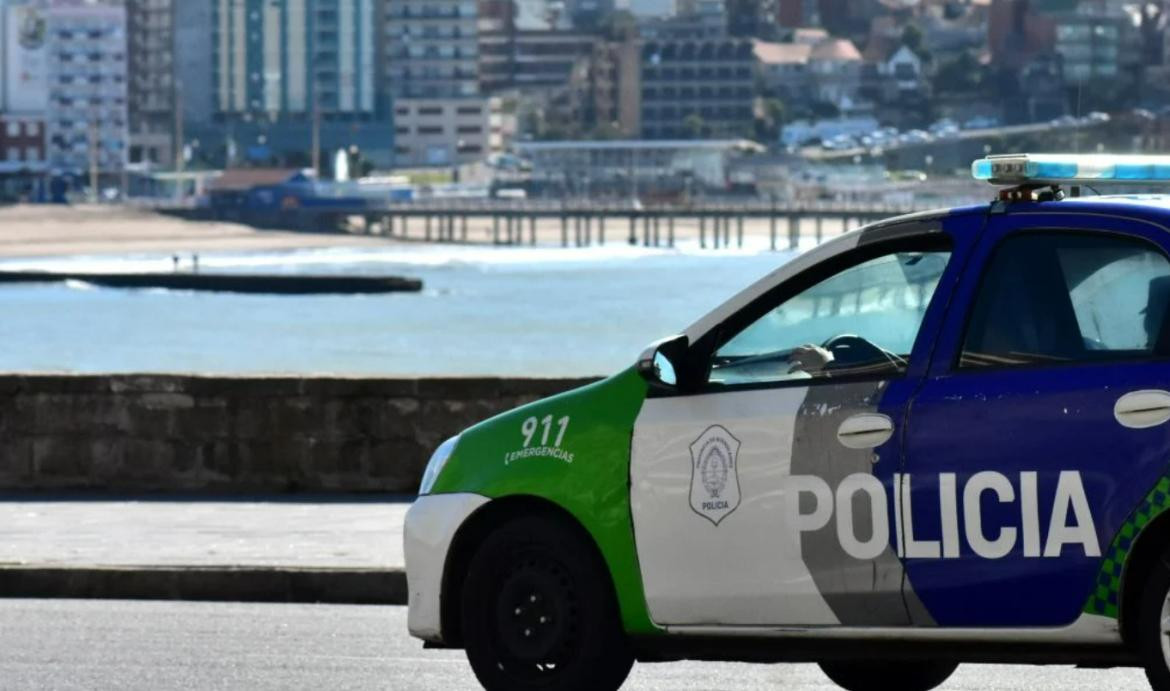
{"x": 770, "y": 120}
{"x": 915, "y": 40}
{"x": 695, "y": 125}
{"x": 960, "y": 74}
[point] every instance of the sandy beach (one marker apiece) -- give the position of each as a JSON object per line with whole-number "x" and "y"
{"x": 54, "y": 231}
{"x": 44, "y": 231}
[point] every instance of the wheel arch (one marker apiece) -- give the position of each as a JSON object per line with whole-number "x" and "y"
{"x": 1152, "y": 542}
{"x": 472, "y": 533}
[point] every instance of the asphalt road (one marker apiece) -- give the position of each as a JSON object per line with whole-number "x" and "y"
{"x": 80, "y": 644}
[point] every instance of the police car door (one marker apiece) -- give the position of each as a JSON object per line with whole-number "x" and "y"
{"x": 1042, "y": 425}
{"x": 761, "y": 496}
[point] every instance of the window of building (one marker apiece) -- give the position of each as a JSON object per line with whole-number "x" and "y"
{"x": 13, "y": 153}
{"x": 430, "y": 130}
{"x": 1068, "y": 297}
{"x": 14, "y": 129}
{"x": 469, "y": 110}
{"x": 469, "y": 129}
{"x": 430, "y": 110}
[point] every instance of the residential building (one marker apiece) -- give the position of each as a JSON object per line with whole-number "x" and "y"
{"x": 605, "y": 88}
{"x": 1096, "y": 43}
{"x": 24, "y": 58}
{"x": 86, "y": 125}
{"x": 22, "y": 143}
{"x": 784, "y": 70}
{"x": 151, "y": 73}
{"x": 528, "y": 60}
{"x": 892, "y": 75}
{"x": 835, "y": 65}
{"x": 696, "y": 88}
{"x": 286, "y": 69}
{"x": 791, "y": 14}
{"x": 194, "y": 66}
{"x": 432, "y": 74}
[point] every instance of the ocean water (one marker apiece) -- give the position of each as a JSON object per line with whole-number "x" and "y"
{"x": 483, "y": 311}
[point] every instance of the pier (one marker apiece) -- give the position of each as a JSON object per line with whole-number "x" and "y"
{"x": 582, "y": 224}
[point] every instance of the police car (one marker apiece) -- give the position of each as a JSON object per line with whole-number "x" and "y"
{"x": 942, "y": 438}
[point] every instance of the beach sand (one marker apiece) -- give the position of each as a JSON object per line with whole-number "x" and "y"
{"x": 53, "y": 231}
{"x": 49, "y": 230}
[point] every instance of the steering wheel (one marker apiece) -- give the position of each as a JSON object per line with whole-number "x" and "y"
{"x": 851, "y": 350}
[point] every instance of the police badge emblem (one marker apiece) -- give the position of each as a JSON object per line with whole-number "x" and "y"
{"x": 715, "y": 474}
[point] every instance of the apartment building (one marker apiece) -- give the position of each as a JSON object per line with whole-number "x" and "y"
{"x": 283, "y": 69}
{"x": 150, "y": 30}
{"x": 432, "y": 73}
{"x": 87, "y": 120}
{"x": 697, "y": 89}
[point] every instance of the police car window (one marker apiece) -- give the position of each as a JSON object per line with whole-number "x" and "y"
{"x": 1063, "y": 297}
{"x": 862, "y": 320}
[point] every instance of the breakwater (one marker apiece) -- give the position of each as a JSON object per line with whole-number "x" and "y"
{"x": 162, "y": 433}
{"x": 254, "y": 284}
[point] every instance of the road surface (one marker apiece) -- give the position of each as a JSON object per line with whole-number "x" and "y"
{"x": 79, "y": 644}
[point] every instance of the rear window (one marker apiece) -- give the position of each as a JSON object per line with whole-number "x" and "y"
{"x": 1068, "y": 297}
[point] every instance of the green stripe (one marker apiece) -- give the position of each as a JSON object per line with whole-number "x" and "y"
{"x": 493, "y": 460}
{"x": 1106, "y": 596}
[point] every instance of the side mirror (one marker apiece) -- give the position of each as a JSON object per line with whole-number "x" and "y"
{"x": 662, "y": 362}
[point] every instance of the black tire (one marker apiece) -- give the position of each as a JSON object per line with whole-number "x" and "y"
{"x": 889, "y": 676}
{"x": 1152, "y": 640}
{"x": 539, "y": 612}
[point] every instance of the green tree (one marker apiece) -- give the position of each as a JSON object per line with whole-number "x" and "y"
{"x": 915, "y": 40}
{"x": 695, "y": 125}
{"x": 769, "y": 120}
{"x": 960, "y": 74}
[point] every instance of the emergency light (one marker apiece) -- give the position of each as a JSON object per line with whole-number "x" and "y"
{"x": 1043, "y": 169}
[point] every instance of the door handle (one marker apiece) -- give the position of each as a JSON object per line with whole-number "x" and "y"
{"x": 1142, "y": 409}
{"x": 865, "y": 431}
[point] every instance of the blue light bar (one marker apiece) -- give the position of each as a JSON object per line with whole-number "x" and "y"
{"x": 1017, "y": 169}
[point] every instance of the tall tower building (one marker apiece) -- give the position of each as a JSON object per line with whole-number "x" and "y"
{"x": 284, "y": 68}
{"x": 432, "y": 74}
{"x": 87, "y": 128}
{"x": 150, "y": 30}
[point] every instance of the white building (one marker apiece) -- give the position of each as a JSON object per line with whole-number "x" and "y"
{"x": 87, "y": 119}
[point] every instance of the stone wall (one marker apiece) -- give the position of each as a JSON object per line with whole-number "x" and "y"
{"x": 176, "y": 433}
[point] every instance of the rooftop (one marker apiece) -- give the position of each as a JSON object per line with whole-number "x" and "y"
{"x": 770, "y": 53}
{"x": 836, "y": 49}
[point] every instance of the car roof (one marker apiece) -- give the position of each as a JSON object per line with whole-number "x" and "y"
{"x": 1149, "y": 207}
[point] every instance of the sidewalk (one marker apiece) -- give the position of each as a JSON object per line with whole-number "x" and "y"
{"x": 306, "y": 549}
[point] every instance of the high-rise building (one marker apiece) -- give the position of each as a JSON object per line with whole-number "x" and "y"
{"x": 87, "y": 126}
{"x": 696, "y": 89}
{"x": 194, "y": 57}
{"x": 284, "y": 68}
{"x": 432, "y": 73}
{"x": 151, "y": 73}
{"x": 23, "y": 89}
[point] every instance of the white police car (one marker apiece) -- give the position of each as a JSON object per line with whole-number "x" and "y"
{"x": 941, "y": 438}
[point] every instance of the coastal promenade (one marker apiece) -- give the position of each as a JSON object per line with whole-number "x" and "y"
{"x": 288, "y": 548}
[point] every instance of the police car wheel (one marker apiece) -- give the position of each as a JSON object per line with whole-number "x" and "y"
{"x": 1154, "y": 636}
{"x": 888, "y": 676}
{"x": 538, "y": 612}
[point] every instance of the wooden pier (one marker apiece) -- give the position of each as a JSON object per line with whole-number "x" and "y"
{"x": 714, "y": 227}
{"x": 582, "y": 224}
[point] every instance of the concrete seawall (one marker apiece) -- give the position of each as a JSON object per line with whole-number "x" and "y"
{"x": 191, "y": 434}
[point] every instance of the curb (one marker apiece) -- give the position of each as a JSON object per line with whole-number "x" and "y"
{"x": 222, "y": 583}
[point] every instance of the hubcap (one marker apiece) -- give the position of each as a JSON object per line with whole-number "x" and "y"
{"x": 536, "y": 617}
{"x": 1164, "y": 631}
